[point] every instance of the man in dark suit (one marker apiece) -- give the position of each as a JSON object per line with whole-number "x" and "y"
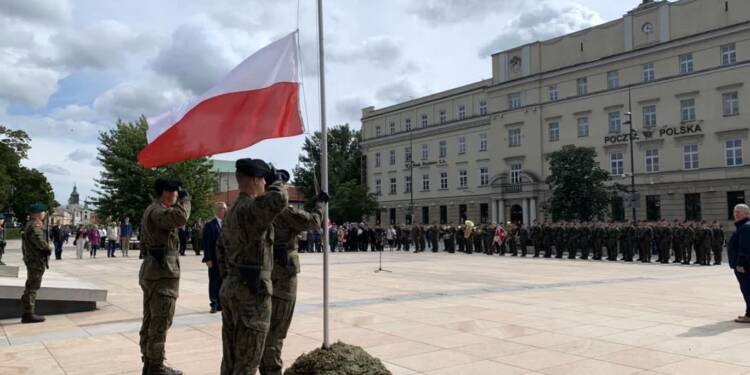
{"x": 211, "y": 232}
{"x": 738, "y": 251}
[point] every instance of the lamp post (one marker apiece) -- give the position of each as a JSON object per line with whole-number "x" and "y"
{"x": 631, "y": 136}
{"x": 411, "y": 175}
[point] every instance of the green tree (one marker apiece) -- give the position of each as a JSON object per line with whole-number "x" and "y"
{"x": 125, "y": 188}
{"x": 350, "y": 199}
{"x": 20, "y": 186}
{"x": 577, "y": 184}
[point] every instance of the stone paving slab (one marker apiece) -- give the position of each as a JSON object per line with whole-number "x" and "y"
{"x": 435, "y": 314}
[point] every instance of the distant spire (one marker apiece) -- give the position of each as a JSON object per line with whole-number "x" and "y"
{"x": 74, "y": 197}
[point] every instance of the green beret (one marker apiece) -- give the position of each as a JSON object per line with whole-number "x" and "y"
{"x": 252, "y": 167}
{"x": 37, "y": 208}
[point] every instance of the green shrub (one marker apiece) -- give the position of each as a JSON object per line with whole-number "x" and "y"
{"x": 339, "y": 359}
{"x": 13, "y": 233}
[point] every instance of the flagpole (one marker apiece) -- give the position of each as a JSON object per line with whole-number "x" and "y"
{"x": 323, "y": 169}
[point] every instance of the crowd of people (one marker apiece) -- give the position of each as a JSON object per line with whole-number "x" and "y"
{"x": 675, "y": 241}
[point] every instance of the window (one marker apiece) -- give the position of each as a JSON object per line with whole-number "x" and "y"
{"x": 615, "y": 123}
{"x": 482, "y": 107}
{"x": 554, "y": 132}
{"x": 649, "y": 74}
{"x": 693, "y": 207}
{"x": 687, "y": 110}
{"x": 734, "y": 198}
{"x": 653, "y": 208}
{"x": 652, "y": 161}
{"x": 407, "y": 184}
{"x": 690, "y": 156}
{"x": 425, "y": 182}
{"x": 686, "y": 63}
{"x": 728, "y": 54}
{"x": 554, "y": 93}
{"x": 514, "y": 100}
{"x": 378, "y": 187}
{"x": 407, "y": 124}
{"x": 425, "y": 215}
{"x": 514, "y": 137}
{"x": 649, "y": 116}
{"x": 733, "y": 149}
{"x": 443, "y": 215}
{"x": 616, "y": 163}
{"x": 515, "y": 173}
{"x": 377, "y": 131}
{"x": 392, "y": 128}
{"x": 424, "y": 121}
{"x": 443, "y": 149}
{"x": 443, "y": 116}
{"x": 392, "y": 157}
{"x": 443, "y": 180}
{"x": 461, "y": 112}
{"x": 393, "y": 185}
{"x": 407, "y": 153}
{"x": 461, "y": 145}
{"x": 377, "y": 159}
{"x": 484, "y": 176}
{"x": 463, "y": 179}
{"x": 483, "y": 142}
{"x": 484, "y": 213}
{"x": 583, "y": 86}
{"x": 583, "y": 127}
{"x": 613, "y": 79}
{"x": 731, "y": 104}
{"x": 425, "y": 152}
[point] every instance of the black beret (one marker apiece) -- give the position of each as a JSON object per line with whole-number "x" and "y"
{"x": 162, "y": 184}
{"x": 252, "y": 167}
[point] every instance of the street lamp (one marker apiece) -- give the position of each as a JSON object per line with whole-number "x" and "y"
{"x": 632, "y": 134}
{"x": 411, "y": 175}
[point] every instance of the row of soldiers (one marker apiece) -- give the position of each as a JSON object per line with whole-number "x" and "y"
{"x": 671, "y": 241}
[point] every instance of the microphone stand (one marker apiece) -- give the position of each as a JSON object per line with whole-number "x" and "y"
{"x": 380, "y": 262}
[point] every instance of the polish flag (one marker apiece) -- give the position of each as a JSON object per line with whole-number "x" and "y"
{"x": 257, "y": 100}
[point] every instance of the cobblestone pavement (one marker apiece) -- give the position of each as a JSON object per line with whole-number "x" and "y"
{"x": 434, "y": 314}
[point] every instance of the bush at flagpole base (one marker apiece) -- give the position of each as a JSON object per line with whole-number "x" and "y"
{"x": 339, "y": 359}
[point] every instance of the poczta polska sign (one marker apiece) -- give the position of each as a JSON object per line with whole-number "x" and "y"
{"x": 685, "y": 129}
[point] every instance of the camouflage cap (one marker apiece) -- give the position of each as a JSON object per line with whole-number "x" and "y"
{"x": 252, "y": 167}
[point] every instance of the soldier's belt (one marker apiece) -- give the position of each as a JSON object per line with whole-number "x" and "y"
{"x": 158, "y": 253}
{"x": 252, "y": 276}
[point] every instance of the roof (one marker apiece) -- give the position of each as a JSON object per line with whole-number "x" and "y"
{"x": 223, "y": 166}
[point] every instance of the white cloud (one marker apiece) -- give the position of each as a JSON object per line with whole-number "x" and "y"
{"x": 542, "y": 21}
{"x": 351, "y": 108}
{"x": 27, "y": 84}
{"x": 129, "y": 100}
{"x": 100, "y": 45}
{"x": 397, "y": 92}
{"x": 36, "y": 10}
{"x": 440, "y": 12}
{"x": 382, "y": 51}
{"x": 53, "y": 169}
{"x": 80, "y": 155}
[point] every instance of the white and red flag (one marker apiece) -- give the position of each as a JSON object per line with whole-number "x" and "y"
{"x": 257, "y": 100}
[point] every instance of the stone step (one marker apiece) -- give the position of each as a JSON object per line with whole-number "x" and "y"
{"x": 59, "y": 294}
{"x": 8, "y": 271}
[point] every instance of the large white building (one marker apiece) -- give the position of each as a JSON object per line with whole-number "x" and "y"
{"x": 479, "y": 150}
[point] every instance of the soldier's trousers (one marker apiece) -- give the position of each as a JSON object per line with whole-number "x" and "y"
{"x": 513, "y": 247}
{"x": 159, "y": 300}
{"x": 612, "y": 250}
{"x": 573, "y": 250}
{"x": 559, "y": 250}
{"x": 627, "y": 251}
{"x": 470, "y": 245}
{"x": 33, "y": 283}
{"x": 461, "y": 245}
{"x": 718, "y": 249}
{"x": 644, "y": 251}
{"x": 281, "y": 318}
{"x": 435, "y": 245}
{"x": 246, "y": 318}
{"x": 677, "y": 252}
{"x": 687, "y": 253}
{"x": 547, "y": 249}
{"x": 537, "y": 249}
{"x": 664, "y": 252}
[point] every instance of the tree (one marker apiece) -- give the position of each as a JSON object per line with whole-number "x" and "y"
{"x": 577, "y": 184}
{"x": 20, "y": 187}
{"x": 350, "y": 199}
{"x": 126, "y": 188}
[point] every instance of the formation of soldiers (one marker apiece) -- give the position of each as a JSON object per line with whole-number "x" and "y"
{"x": 677, "y": 242}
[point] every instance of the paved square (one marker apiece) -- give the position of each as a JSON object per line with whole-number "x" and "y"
{"x": 434, "y": 314}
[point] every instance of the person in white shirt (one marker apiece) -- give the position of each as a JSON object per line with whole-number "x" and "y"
{"x": 113, "y": 235}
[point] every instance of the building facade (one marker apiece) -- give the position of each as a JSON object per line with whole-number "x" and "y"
{"x": 677, "y": 70}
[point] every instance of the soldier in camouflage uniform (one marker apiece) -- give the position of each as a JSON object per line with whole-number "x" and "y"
{"x": 36, "y": 251}
{"x": 717, "y": 243}
{"x": 523, "y": 238}
{"x": 704, "y": 244}
{"x": 247, "y": 242}
{"x": 645, "y": 237}
{"x": 677, "y": 238}
{"x": 598, "y": 239}
{"x": 511, "y": 239}
{"x": 688, "y": 234}
{"x": 585, "y": 240}
{"x": 536, "y": 238}
{"x": 286, "y": 226}
{"x": 159, "y": 276}
{"x": 613, "y": 235}
{"x": 664, "y": 241}
{"x": 627, "y": 239}
{"x": 548, "y": 239}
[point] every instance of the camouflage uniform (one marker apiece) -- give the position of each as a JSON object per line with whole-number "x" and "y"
{"x": 536, "y": 238}
{"x": 717, "y": 243}
{"x": 523, "y": 236}
{"x": 247, "y": 289}
{"x": 613, "y": 234}
{"x": 287, "y": 225}
{"x": 36, "y": 252}
{"x": 688, "y": 235}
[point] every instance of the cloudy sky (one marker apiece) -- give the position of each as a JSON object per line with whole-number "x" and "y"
{"x": 70, "y": 68}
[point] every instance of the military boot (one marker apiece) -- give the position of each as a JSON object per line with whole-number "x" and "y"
{"x": 160, "y": 369}
{"x": 31, "y": 318}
